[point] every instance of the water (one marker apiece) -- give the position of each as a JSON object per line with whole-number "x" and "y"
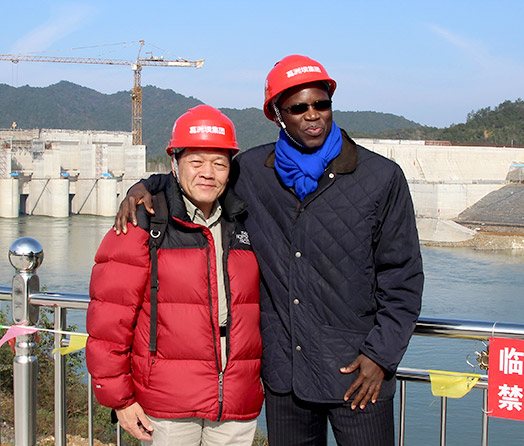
{"x": 460, "y": 283}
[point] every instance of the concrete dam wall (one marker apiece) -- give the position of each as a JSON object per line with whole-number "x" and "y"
{"x": 62, "y": 172}
{"x": 445, "y": 180}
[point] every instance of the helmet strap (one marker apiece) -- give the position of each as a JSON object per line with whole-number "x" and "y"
{"x": 279, "y": 116}
{"x": 283, "y": 126}
{"x": 175, "y": 171}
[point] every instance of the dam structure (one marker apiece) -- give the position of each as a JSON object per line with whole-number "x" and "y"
{"x": 57, "y": 172}
{"x": 444, "y": 179}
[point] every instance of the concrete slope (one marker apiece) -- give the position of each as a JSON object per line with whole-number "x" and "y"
{"x": 434, "y": 230}
{"x": 503, "y": 207}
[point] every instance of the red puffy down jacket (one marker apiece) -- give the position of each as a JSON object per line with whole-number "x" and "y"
{"x": 182, "y": 378}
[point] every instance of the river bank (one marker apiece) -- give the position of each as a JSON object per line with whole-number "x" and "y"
{"x": 484, "y": 240}
{"x": 473, "y": 234}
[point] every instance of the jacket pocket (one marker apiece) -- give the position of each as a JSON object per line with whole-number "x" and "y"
{"x": 149, "y": 369}
{"x": 339, "y": 348}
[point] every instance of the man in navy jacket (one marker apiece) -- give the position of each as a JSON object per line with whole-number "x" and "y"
{"x": 333, "y": 228}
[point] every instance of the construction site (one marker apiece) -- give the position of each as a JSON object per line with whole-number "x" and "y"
{"x": 62, "y": 172}
{"x": 57, "y": 172}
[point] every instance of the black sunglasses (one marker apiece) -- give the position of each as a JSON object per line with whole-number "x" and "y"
{"x": 298, "y": 109}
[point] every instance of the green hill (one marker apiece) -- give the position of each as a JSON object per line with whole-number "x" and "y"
{"x": 70, "y": 106}
{"x": 501, "y": 126}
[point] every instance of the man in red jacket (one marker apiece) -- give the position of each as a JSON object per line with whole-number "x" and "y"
{"x": 178, "y": 358}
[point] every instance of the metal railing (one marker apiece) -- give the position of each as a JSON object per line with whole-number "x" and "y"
{"x": 26, "y": 297}
{"x": 456, "y": 329}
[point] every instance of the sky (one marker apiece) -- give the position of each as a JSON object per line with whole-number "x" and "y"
{"x": 430, "y": 61}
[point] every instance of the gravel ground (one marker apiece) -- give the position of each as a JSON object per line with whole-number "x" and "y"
{"x": 8, "y": 438}
{"x": 72, "y": 440}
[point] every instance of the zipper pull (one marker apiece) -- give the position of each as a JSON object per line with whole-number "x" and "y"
{"x": 220, "y": 386}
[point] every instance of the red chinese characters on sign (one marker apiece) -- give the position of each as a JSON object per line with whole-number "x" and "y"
{"x": 506, "y": 378}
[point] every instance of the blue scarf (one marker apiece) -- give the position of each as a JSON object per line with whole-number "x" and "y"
{"x": 302, "y": 171}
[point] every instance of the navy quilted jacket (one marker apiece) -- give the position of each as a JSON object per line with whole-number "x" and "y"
{"x": 341, "y": 272}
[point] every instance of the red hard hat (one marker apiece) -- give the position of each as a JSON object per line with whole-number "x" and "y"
{"x": 291, "y": 71}
{"x": 203, "y": 126}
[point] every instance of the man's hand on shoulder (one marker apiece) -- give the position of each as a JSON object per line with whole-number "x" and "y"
{"x": 138, "y": 194}
{"x": 368, "y": 383}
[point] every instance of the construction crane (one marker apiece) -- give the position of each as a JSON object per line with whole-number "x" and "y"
{"x": 136, "y": 66}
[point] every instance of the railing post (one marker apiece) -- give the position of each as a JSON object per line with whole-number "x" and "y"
{"x": 60, "y": 380}
{"x": 402, "y": 413}
{"x": 443, "y": 419}
{"x": 26, "y": 255}
{"x": 484, "y": 437}
{"x": 90, "y": 433}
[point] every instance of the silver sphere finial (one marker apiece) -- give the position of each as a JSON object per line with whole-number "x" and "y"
{"x": 26, "y": 254}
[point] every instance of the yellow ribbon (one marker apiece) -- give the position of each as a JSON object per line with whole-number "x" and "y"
{"x": 452, "y": 384}
{"x": 76, "y": 342}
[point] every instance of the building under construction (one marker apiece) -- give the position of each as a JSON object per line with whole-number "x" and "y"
{"x": 63, "y": 172}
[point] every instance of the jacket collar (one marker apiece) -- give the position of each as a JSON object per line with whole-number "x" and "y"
{"x": 345, "y": 162}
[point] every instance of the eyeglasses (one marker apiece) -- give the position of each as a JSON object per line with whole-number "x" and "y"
{"x": 298, "y": 109}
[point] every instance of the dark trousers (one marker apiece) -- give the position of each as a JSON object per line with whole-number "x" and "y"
{"x": 293, "y": 422}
